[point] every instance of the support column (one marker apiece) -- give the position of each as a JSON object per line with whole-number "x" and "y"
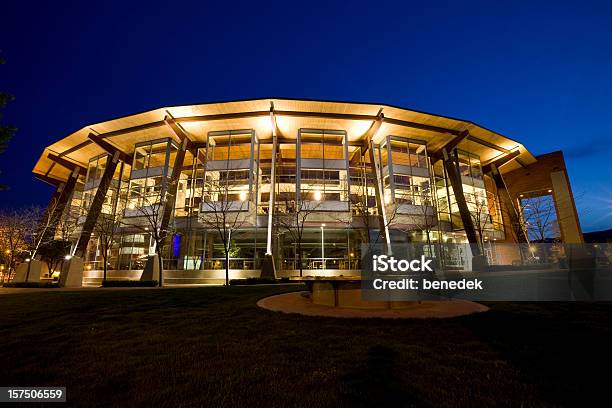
{"x": 452, "y": 169}
{"x": 380, "y": 197}
{"x": 96, "y": 205}
{"x": 268, "y": 269}
{"x": 170, "y": 196}
{"x": 518, "y": 234}
{"x": 57, "y": 206}
{"x": 368, "y": 146}
{"x": 48, "y": 214}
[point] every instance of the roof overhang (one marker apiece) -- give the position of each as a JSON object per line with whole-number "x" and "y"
{"x": 290, "y": 115}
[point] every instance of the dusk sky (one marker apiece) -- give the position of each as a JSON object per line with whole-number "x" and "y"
{"x": 540, "y": 74}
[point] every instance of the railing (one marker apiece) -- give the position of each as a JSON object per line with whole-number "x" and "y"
{"x": 211, "y": 263}
{"x": 321, "y": 263}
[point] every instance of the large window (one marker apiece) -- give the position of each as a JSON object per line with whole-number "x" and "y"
{"x": 323, "y": 165}
{"x": 406, "y": 176}
{"x": 480, "y": 196}
{"x": 96, "y": 167}
{"x": 151, "y": 155}
{"x": 191, "y": 183}
{"x": 230, "y": 145}
{"x": 469, "y": 165}
{"x": 145, "y": 192}
{"x": 407, "y": 153}
{"x": 231, "y": 168}
{"x": 95, "y": 170}
{"x": 150, "y": 171}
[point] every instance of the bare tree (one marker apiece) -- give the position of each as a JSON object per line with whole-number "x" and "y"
{"x": 17, "y": 231}
{"x": 46, "y": 226}
{"x": 223, "y": 209}
{"x": 539, "y": 217}
{"x": 361, "y": 210}
{"x": 105, "y": 230}
{"x": 54, "y": 236}
{"x": 479, "y": 212}
{"x": 146, "y": 216}
{"x": 291, "y": 215}
{"x": 424, "y": 218}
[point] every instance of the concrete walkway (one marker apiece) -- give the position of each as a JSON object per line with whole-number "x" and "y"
{"x": 296, "y": 302}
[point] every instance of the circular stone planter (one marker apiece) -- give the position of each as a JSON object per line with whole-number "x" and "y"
{"x": 301, "y": 303}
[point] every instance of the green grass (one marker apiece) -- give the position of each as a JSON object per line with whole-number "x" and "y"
{"x": 214, "y": 347}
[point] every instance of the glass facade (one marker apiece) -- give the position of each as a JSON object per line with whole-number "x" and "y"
{"x": 324, "y": 191}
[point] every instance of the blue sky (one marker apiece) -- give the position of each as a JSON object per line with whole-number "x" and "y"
{"x": 537, "y": 72}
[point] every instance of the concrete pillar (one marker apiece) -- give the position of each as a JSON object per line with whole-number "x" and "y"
{"x": 268, "y": 269}
{"x": 72, "y": 273}
{"x": 35, "y": 268}
{"x": 151, "y": 270}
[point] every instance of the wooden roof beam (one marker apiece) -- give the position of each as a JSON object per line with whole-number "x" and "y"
{"x": 487, "y": 144}
{"x": 177, "y": 129}
{"x": 450, "y": 145}
{"x": 275, "y": 113}
{"x": 109, "y": 148}
{"x": 371, "y": 133}
{"x": 273, "y": 124}
{"x": 67, "y": 164}
{"x": 497, "y": 163}
{"x": 49, "y": 180}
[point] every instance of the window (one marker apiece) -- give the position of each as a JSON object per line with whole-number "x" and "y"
{"x": 469, "y": 165}
{"x": 96, "y": 167}
{"x": 409, "y": 181}
{"x": 405, "y": 152}
{"x": 323, "y": 165}
{"x": 151, "y": 155}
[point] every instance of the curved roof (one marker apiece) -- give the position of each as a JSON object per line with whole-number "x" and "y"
{"x": 291, "y": 114}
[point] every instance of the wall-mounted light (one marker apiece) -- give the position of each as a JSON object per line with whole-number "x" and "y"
{"x": 68, "y": 257}
{"x": 318, "y": 195}
{"x": 243, "y": 196}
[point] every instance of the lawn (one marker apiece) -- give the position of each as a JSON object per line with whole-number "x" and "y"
{"x": 214, "y": 347}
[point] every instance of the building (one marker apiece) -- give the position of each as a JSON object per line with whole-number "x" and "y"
{"x": 270, "y": 179}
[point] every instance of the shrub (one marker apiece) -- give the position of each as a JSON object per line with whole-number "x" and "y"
{"x": 31, "y": 285}
{"x": 128, "y": 284}
{"x": 258, "y": 281}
